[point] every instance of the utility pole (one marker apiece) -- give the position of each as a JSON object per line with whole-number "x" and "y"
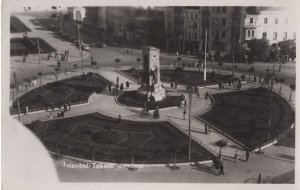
{"x": 37, "y": 39}
{"x": 271, "y": 97}
{"x": 79, "y": 41}
{"x": 204, "y": 76}
{"x": 190, "y": 113}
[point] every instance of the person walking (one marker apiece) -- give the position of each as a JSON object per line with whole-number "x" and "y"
{"x": 56, "y": 55}
{"x": 69, "y": 104}
{"x": 236, "y": 156}
{"x": 51, "y": 115}
{"x": 221, "y": 169}
{"x": 247, "y": 155}
{"x": 26, "y": 110}
{"x": 121, "y": 86}
{"x": 65, "y": 107}
{"x": 184, "y": 112}
{"x": 175, "y": 85}
{"x": 117, "y": 79}
{"x": 198, "y": 93}
{"x": 109, "y": 88}
{"x": 127, "y": 84}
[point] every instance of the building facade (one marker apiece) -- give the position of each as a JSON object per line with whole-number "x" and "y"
{"x": 272, "y": 24}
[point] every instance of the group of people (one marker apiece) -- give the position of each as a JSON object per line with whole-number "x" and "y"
{"x": 61, "y": 109}
{"x": 117, "y": 86}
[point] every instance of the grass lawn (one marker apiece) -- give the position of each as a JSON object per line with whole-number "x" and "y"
{"x": 23, "y": 46}
{"x": 183, "y": 77}
{"x": 74, "y": 89}
{"x": 116, "y": 141}
{"x": 17, "y": 26}
{"x": 244, "y": 115}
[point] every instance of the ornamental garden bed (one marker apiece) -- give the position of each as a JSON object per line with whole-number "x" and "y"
{"x": 129, "y": 98}
{"x": 75, "y": 90}
{"x": 184, "y": 77}
{"x": 98, "y": 137}
{"x": 17, "y": 26}
{"x": 244, "y": 115}
{"x": 25, "y": 46}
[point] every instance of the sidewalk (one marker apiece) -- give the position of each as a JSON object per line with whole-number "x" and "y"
{"x": 104, "y": 102}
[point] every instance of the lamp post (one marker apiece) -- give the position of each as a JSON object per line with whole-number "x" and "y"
{"x": 79, "y": 41}
{"x": 190, "y": 91}
{"x": 204, "y": 75}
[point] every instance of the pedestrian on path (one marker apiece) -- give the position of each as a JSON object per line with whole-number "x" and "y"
{"x": 56, "y": 55}
{"x": 117, "y": 79}
{"x": 184, "y": 112}
{"x": 247, "y": 155}
{"x": 221, "y": 169}
{"x": 69, "y": 104}
{"x": 121, "y": 86}
{"x": 51, "y": 115}
{"x": 52, "y": 106}
{"x": 62, "y": 113}
{"x": 175, "y": 85}
{"x": 26, "y": 110}
{"x": 109, "y": 88}
{"x": 65, "y": 107}
{"x": 127, "y": 84}
{"x": 236, "y": 156}
{"x": 198, "y": 93}
{"x": 58, "y": 115}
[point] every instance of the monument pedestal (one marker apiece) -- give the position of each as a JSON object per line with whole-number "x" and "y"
{"x": 159, "y": 93}
{"x": 151, "y": 84}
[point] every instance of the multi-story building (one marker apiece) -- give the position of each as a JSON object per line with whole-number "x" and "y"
{"x": 226, "y": 30}
{"x": 174, "y": 28}
{"x": 273, "y": 24}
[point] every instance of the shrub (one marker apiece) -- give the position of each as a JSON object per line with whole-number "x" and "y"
{"x": 178, "y": 69}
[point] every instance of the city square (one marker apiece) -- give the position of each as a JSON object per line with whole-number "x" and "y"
{"x": 159, "y": 94}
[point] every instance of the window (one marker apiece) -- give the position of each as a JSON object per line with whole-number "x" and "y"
{"x": 223, "y": 34}
{"x": 223, "y": 21}
{"x": 212, "y": 33}
{"x": 218, "y": 9}
{"x": 248, "y": 33}
{"x": 284, "y": 35}
{"x": 213, "y": 21}
{"x": 286, "y": 20}
{"x": 251, "y": 20}
{"x": 274, "y": 35}
{"x": 264, "y": 35}
{"x": 217, "y": 35}
{"x": 252, "y": 33}
{"x": 265, "y": 20}
{"x": 195, "y": 35}
{"x": 186, "y": 35}
{"x": 224, "y": 9}
{"x": 196, "y": 16}
{"x": 214, "y": 9}
{"x": 195, "y": 25}
{"x": 276, "y": 20}
{"x": 192, "y": 15}
{"x": 190, "y": 36}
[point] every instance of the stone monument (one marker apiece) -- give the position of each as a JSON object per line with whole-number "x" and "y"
{"x": 151, "y": 88}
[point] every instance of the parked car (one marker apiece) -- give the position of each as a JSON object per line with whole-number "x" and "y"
{"x": 100, "y": 44}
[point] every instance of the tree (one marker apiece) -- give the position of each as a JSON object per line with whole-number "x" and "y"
{"x": 40, "y": 76}
{"x": 292, "y": 87}
{"x": 259, "y": 48}
{"x": 220, "y": 63}
{"x": 221, "y": 143}
{"x": 287, "y": 48}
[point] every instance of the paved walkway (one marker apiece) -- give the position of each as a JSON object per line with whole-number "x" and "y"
{"x": 104, "y": 102}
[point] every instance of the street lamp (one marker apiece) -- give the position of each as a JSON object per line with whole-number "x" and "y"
{"x": 80, "y": 44}
{"x": 190, "y": 91}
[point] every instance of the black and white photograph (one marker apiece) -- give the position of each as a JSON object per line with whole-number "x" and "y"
{"x": 196, "y": 93}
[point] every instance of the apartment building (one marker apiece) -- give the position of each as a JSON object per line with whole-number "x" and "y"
{"x": 273, "y": 24}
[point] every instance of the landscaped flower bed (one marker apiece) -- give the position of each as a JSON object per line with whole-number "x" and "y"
{"x": 130, "y": 98}
{"x": 16, "y": 26}
{"x": 184, "y": 77}
{"x": 109, "y": 139}
{"x": 244, "y": 115}
{"x": 24, "y": 46}
{"x": 74, "y": 90}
